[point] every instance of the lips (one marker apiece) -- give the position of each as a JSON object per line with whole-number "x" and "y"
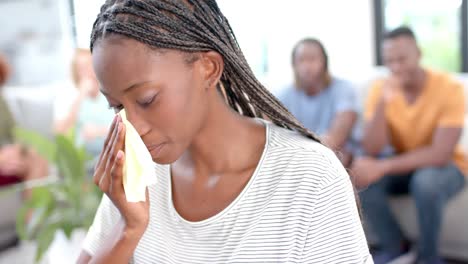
{"x": 155, "y": 149}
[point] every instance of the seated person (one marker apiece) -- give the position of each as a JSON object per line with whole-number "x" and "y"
{"x": 326, "y": 105}
{"x": 83, "y": 107}
{"x": 17, "y": 163}
{"x": 420, "y": 114}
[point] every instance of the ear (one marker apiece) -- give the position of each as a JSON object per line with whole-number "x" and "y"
{"x": 212, "y": 66}
{"x": 419, "y": 51}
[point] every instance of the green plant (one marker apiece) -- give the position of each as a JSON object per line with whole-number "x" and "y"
{"x": 68, "y": 203}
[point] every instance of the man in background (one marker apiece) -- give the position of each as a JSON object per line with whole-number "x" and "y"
{"x": 326, "y": 105}
{"x": 420, "y": 114}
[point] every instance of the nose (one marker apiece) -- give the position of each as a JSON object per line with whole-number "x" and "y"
{"x": 140, "y": 125}
{"x": 395, "y": 68}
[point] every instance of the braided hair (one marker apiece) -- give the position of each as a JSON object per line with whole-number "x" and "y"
{"x": 196, "y": 26}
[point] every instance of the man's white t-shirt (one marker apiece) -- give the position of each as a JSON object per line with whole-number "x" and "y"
{"x": 298, "y": 207}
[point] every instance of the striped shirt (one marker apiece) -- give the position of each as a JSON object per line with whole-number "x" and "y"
{"x": 298, "y": 207}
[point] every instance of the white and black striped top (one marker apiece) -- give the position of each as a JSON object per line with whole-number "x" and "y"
{"x": 298, "y": 207}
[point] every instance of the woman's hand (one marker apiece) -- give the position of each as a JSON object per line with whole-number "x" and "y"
{"x": 13, "y": 161}
{"x": 108, "y": 176}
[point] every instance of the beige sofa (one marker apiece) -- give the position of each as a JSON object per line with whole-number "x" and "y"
{"x": 454, "y": 237}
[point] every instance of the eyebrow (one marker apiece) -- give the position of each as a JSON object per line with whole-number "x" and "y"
{"x": 128, "y": 89}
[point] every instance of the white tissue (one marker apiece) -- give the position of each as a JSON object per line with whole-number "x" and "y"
{"x": 139, "y": 168}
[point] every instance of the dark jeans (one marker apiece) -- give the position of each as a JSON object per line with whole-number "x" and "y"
{"x": 431, "y": 189}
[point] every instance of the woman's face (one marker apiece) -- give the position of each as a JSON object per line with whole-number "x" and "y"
{"x": 164, "y": 95}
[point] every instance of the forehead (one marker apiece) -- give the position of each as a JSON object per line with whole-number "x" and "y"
{"x": 399, "y": 45}
{"x": 308, "y": 49}
{"x": 120, "y": 62}
{"x": 115, "y": 48}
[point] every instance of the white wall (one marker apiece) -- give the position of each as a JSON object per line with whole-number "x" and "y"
{"x": 345, "y": 27}
{"x": 267, "y": 31}
{"x": 36, "y": 36}
{"x": 86, "y": 12}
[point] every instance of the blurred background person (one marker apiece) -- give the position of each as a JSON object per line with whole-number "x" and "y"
{"x": 420, "y": 113}
{"x": 325, "y": 104}
{"x": 17, "y": 163}
{"x": 83, "y": 110}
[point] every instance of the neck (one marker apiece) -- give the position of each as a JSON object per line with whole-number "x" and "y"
{"x": 417, "y": 83}
{"x": 315, "y": 88}
{"x": 227, "y": 141}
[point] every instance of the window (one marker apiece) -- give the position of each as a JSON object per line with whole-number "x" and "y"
{"x": 440, "y": 27}
{"x": 84, "y": 14}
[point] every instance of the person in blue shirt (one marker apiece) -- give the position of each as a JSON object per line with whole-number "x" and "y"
{"x": 326, "y": 105}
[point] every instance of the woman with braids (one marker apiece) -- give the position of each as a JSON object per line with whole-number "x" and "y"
{"x": 231, "y": 187}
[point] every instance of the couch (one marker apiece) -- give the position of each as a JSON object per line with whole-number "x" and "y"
{"x": 454, "y": 236}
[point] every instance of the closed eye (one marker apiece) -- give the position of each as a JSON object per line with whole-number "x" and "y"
{"x": 148, "y": 102}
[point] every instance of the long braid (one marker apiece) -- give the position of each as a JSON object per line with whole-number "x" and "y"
{"x": 196, "y": 26}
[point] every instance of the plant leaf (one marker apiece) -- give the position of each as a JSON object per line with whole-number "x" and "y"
{"x": 44, "y": 239}
{"x": 40, "y": 205}
{"x": 69, "y": 161}
{"x": 21, "y": 224}
{"x": 44, "y": 146}
{"x": 67, "y": 229}
{"x": 68, "y": 204}
{"x": 40, "y": 196}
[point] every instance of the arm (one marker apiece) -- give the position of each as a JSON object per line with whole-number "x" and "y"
{"x": 439, "y": 153}
{"x": 119, "y": 224}
{"x": 375, "y": 135}
{"x": 64, "y": 125}
{"x": 91, "y": 132}
{"x": 340, "y": 130}
{"x": 119, "y": 248}
{"x": 335, "y": 234}
{"x": 346, "y": 110}
{"x": 445, "y": 138}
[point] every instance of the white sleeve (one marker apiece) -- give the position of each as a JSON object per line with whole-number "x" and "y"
{"x": 335, "y": 233}
{"x": 63, "y": 102}
{"x": 106, "y": 218}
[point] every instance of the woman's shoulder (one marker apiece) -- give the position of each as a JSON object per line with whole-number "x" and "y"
{"x": 300, "y": 163}
{"x": 287, "y": 139}
{"x": 312, "y": 157}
